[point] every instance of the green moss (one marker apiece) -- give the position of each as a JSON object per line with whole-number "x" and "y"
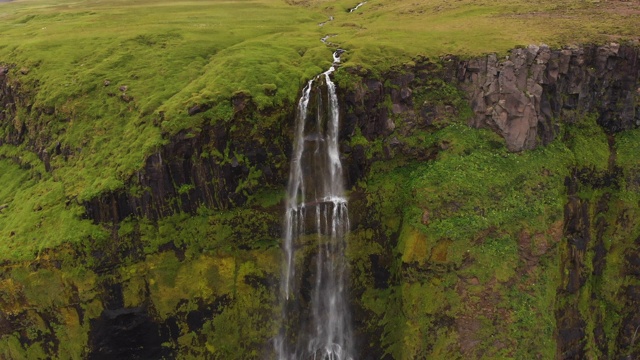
{"x": 36, "y": 214}
{"x": 533, "y": 305}
{"x": 267, "y": 198}
{"x": 453, "y": 217}
{"x": 627, "y": 146}
{"x": 205, "y": 55}
{"x": 11, "y": 348}
{"x": 589, "y": 144}
{"x": 242, "y": 329}
{"x": 438, "y": 226}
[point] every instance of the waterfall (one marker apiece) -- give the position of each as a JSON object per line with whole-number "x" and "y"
{"x": 357, "y": 6}
{"x": 316, "y": 210}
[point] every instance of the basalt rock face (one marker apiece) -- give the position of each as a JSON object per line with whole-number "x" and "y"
{"x": 373, "y": 104}
{"x": 177, "y": 178}
{"x": 385, "y": 109}
{"x": 526, "y": 96}
{"x": 595, "y": 312}
{"x": 217, "y": 166}
{"x": 127, "y": 334}
{"x": 529, "y": 99}
{"x": 19, "y": 130}
{"x": 9, "y": 96}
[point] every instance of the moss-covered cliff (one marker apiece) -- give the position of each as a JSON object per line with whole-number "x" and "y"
{"x": 493, "y": 198}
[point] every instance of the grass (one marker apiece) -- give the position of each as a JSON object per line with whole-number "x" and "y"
{"x": 161, "y": 58}
{"x": 378, "y": 33}
{"x": 36, "y": 214}
{"x": 170, "y": 56}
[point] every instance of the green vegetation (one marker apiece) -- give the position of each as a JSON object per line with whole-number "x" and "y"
{"x": 158, "y": 58}
{"x": 472, "y": 236}
{"x": 227, "y": 259}
{"x": 384, "y": 33}
{"x": 35, "y": 215}
{"x": 110, "y": 83}
{"x": 479, "y": 238}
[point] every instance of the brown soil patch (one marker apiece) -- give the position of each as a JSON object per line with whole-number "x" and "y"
{"x": 439, "y": 252}
{"x": 479, "y": 308}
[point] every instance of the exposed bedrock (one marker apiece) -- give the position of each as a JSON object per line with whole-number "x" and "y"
{"x": 527, "y": 95}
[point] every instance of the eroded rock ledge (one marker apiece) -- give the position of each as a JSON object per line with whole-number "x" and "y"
{"x": 527, "y": 95}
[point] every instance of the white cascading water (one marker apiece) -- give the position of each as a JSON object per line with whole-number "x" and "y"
{"x": 357, "y": 6}
{"x": 316, "y": 210}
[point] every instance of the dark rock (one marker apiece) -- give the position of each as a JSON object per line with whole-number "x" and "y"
{"x": 198, "y": 108}
{"x": 123, "y": 88}
{"x": 520, "y": 97}
{"x": 126, "y": 98}
{"x": 212, "y": 181}
{"x": 127, "y": 333}
{"x": 380, "y": 269}
{"x": 240, "y": 102}
{"x": 405, "y": 93}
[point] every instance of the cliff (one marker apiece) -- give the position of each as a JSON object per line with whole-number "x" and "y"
{"x": 494, "y": 206}
{"x": 474, "y": 251}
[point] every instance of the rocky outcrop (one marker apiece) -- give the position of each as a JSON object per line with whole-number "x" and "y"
{"x": 8, "y": 99}
{"x": 524, "y": 97}
{"x": 527, "y": 95}
{"x": 176, "y": 178}
{"x": 128, "y": 334}
{"x": 593, "y": 311}
{"x": 386, "y": 109}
